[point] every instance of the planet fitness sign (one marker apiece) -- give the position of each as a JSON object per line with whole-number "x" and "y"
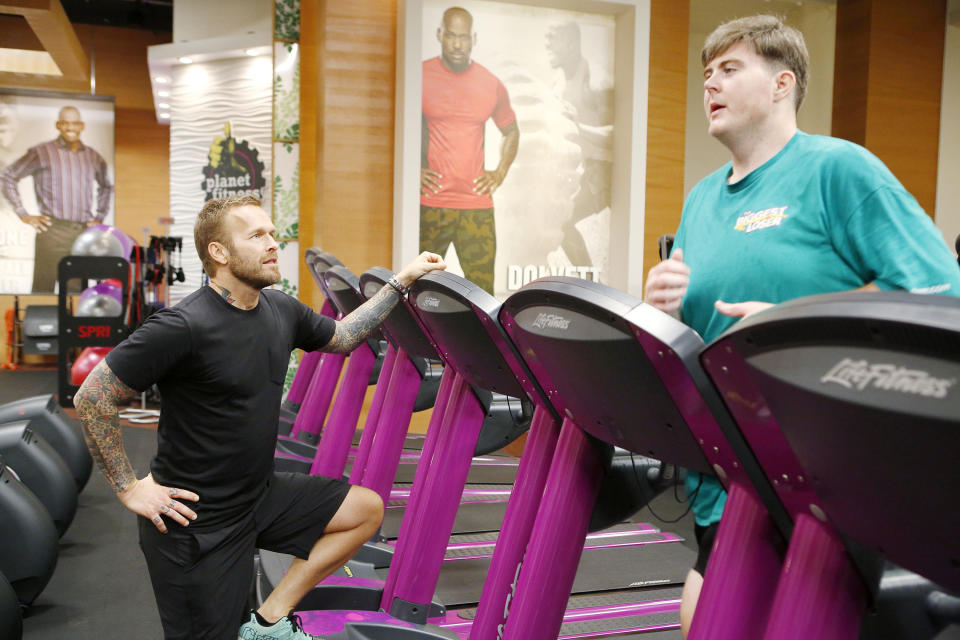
{"x": 234, "y": 169}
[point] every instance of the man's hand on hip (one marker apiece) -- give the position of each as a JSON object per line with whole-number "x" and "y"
{"x": 488, "y": 182}
{"x": 41, "y": 223}
{"x": 155, "y": 502}
{"x": 429, "y": 181}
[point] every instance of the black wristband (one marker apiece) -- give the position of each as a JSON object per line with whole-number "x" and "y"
{"x": 393, "y": 282}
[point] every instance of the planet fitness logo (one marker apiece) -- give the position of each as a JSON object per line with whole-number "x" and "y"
{"x": 234, "y": 169}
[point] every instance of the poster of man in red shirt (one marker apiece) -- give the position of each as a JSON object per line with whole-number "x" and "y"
{"x": 516, "y": 141}
{"x": 456, "y": 189}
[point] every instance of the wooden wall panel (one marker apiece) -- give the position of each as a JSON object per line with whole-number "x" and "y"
{"x": 851, "y": 71}
{"x": 356, "y": 216}
{"x": 355, "y": 70}
{"x": 142, "y": 161}
{"x": 310, "y": 136}
{"x": 903, "y": 108}
{"x": 669, "y": 29}
{"x": 17, "y": 33}
{"x": 888, "y": 77}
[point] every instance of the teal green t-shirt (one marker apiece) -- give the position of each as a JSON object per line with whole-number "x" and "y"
{"x": 822, "y": 215}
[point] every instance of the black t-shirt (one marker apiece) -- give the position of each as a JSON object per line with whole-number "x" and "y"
{"x": 220, "y": 371}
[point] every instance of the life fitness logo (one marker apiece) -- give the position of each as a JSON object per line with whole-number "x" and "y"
{"x": 860, "y": 374}
{"x": 551, "y": 321}
{"x": 93, "y": 331}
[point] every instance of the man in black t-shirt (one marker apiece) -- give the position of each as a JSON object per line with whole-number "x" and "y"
{"x": 219, "y": 358}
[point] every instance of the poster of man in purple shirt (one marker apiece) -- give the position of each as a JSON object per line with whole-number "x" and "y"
{"x": 51, "y": 189}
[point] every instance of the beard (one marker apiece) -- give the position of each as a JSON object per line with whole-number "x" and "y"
{"x": 251, "y": 272}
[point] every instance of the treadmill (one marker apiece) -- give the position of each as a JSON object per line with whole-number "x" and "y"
{"x": 624, "y": 373}
{"x": 852, "y": 404}
{"x": 461, "y": 319}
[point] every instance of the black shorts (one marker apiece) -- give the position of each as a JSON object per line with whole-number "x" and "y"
{"x": 705, "y": 537}
{"x": 202, "y": 579}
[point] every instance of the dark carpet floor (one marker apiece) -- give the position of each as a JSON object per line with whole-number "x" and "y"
{"x": 100, "y": 588}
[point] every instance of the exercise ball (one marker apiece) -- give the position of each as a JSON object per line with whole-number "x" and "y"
{"x": 103, "y": 300}
{"x": 96, "y": 241}
{"x": 103, "y": 240}
{"x": 82, "y": 366}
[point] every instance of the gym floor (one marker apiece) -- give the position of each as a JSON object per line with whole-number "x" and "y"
{"x": 100, "y": 588}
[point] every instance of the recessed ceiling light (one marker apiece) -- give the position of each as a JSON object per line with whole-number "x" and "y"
{"x": 161, "y": 80}
{"x": 186, "y": 59}
{"x": 163, "y": 105}
{"x": 251, "y": 52}
{"x": 164, "y": 115}
{"x": 163, "y": 94}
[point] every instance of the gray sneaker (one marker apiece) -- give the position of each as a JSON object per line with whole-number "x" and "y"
{"x": 284, "y": 629}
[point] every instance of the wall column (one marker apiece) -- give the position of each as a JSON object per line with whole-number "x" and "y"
{"x": 887, "y": 83}
{"x": 666, "y": 122}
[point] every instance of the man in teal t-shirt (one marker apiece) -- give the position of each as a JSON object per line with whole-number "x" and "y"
{"x": 790, "y": 215}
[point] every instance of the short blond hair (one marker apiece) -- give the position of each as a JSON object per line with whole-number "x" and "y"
{"x": 209, "y": 225}
{"x": 777, "y": 43}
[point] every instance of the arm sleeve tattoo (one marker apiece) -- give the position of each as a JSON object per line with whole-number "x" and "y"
{"x": 96, "y": 404}
{"x": 355, "y": 328}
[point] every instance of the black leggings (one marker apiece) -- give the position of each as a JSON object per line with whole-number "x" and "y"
{"x": 705, "y": 537}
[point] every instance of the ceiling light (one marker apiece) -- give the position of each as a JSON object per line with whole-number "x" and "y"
{"x": 163, "y": 105}
{"x": 186, "y": 59}
{"x": 161, "y": 80}
{"x": 164, "y": 115}
{"x": 251, "y": 52}
{"x": 163, "y": 94}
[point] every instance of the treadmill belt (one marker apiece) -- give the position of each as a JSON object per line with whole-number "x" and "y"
{"x": 487, "y": 472}
{"x": 604, "y": 599}
{"x": 464, "y": 550}
{"x": 600, "y": 569}
{"x": 472, "y": 517}
{"x": 400, "y": 493}
{"x": 413, "y": 441}
{"x": 653, "y": 621}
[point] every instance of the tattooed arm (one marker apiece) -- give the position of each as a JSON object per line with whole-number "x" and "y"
{"x": 354, "y": 329}
{"x": 96, "y": 404}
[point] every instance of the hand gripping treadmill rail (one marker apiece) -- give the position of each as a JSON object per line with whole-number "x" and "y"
{"x": 852, "y": 404}
{"x": 477, "y": 353}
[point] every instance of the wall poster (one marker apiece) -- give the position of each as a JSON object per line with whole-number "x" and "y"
{"x": 521, "y": 135}
{"x": 56, "y": 179}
